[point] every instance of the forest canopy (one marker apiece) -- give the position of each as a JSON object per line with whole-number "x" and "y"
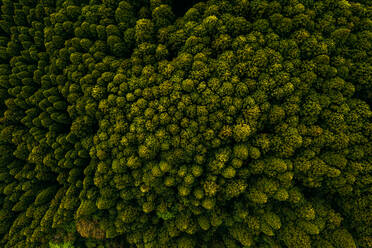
{"x": 168, "y": 123}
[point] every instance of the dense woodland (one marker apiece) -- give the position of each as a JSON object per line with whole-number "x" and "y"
{"x": 168, "y": 123}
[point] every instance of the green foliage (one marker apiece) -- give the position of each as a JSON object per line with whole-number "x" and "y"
{"x": 166, "y": 215}
{"x": 63, "y": 245}
{"x": 164, "y": 123}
